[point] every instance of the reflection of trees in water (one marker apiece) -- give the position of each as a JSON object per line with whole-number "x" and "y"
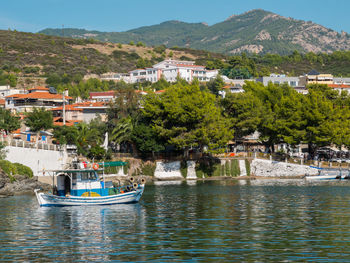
{"x": 216, "y": 220}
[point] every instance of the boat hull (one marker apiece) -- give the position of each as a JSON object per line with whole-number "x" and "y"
{"x": 123, "y": 198}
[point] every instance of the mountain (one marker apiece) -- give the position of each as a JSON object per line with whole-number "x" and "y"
{"x": 42, "y": 55}
{"x": 256, "y": 31}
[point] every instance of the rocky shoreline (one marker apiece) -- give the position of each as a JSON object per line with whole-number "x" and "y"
{"x": 20, "y": 185}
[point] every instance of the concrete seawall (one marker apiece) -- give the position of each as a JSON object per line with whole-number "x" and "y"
{"x": 268, "y": 168}
{"x": 37, "y": 159}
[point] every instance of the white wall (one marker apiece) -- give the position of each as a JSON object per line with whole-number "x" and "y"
{"x": 168, "y": 171}
{"x": 280, "y": 169}
{"x": 37, "y": 159}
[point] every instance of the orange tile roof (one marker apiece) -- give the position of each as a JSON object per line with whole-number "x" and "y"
{"x": 41, "y": 95}
{"x": 13, "y": 96}
{"x": 71, "y": 107}
{"x": 2, "y": 102}
{"x": 339, "y": 86}
{"x": 56, "y": 122}
{"x": 160, "y": 91}
{"x": 90, "y": 104}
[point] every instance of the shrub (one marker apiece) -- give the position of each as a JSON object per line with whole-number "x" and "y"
{"x": 8, "y": 167}
{"x": 159, "y": 49}
{"x": 140, "y": 44}
{"x": 112, "y": 170}
{"x": 148, "y": 169}
{"x": 183, "y": 169}
{"x": 247, "y": 167}
{"x": 227, "y": 169}
{"x": 23, "y": 170}
{"x": 235, "y": 171}
{"x": 126, "y": 168}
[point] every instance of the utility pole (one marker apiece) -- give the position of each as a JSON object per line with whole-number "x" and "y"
{"x": 64, "y": 110}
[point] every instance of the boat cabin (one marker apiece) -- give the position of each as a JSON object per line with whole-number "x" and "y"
{"x": 82, "y": 182}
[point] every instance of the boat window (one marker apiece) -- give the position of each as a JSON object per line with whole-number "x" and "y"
{"x": 84, "y": 176}
{"x": 88, "y": 176}
{"x": 93, "y": 176}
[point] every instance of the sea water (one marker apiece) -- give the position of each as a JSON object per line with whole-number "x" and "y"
{"x": 218, "y": 221}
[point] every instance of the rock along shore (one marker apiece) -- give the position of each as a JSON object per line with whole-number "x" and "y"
{"x": 21, "y": 185}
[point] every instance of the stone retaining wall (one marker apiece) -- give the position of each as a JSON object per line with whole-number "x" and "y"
{"x": 268, "y": 168}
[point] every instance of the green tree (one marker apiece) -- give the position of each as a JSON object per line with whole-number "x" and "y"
{"x": 185, "y": 116}
{"x": 39, "y": 119}
{"x": 87, "y": 138}
{"x": 215, "y": 85}
{"x": 245, "y": 110}
{"x": 65, "y": 134}
{"x": 146, "y": 139}
{"x": 8, "y": 122}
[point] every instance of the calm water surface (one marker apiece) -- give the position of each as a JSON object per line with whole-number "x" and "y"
{"x": 245, "y": 221}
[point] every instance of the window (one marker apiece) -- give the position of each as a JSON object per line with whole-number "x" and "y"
{"x": 135, "y": 74}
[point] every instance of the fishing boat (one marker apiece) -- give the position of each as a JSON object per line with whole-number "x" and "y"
{"x": 87, "y": 186}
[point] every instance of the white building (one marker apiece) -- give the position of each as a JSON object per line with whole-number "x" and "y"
{"x": 170, "y": 70}
{"x": 146, "y": 74}
{"x": 116, "y": 77}
{"x": 279, "y": 79}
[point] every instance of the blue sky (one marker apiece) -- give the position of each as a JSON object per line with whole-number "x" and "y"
{"x": 118, "y": 15}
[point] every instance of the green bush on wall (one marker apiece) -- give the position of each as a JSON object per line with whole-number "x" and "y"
{"x": 235, "y": 171}
{"x": 126, "y": 168}
{"x": 247, "y": 167}
{"x": 15, "y": 168}
{"x": 183, "y": 169}
{"x": 148, "y": 169}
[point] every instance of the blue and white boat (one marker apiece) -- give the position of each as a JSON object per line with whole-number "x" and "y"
{"x": 77, "y": 187}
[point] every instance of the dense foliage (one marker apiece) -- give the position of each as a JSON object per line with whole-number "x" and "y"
{"x": 281, "y": 115}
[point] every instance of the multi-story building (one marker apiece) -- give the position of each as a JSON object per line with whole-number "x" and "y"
{"x": 102, "y": 95}
{"x": 170, "y": 70}
{"x": 279, "y": 79}
{"x": 314, "y": 77}
{"x": 36, "y": 97}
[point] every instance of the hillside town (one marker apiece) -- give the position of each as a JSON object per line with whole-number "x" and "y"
{"x": 68, "y": 111}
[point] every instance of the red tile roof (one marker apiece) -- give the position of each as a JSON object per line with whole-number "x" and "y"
{"x": 90, "y": 104}
{"x": 40, "y": 95}
{"x": 342, "y": 86}
{"x": 71, "y": 107}
{"x": 58, "y": 121}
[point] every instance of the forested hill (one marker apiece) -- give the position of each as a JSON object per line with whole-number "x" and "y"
{"x": 39, "y": 55}
{"x": 256, "y": 31}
